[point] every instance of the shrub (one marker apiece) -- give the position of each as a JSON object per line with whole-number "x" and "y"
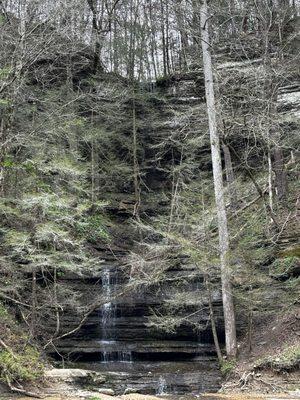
{"x": 284, "y": 267}
{"x": 20, "y": 367}
{"x": 92, "y": 228}
{"x": 227, "y": 367}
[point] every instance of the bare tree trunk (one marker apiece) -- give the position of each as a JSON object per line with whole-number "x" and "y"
{"x": 294, "y": 8}
{"x": 96, "y": 24}
{"x": 115, "y": 45}
{"x": 271, "y": 93}
{"x": 183, "y": 35}
{"x": 163, "y": 39}
{"x": 136, "y": 170}
{"x": 213, "y": 321}
{"x": 132, "y": 42}
{"x": 259, "y": 190}
{"x": 232, "y": 10}
{"x": 33, "y": 303}
{"x": 270, "y": 180}
{"x": 228, "y": 307}
{"x": 94, "y": 170}
{"x": 168, "y": 40}
{"x": 230, "y": 177}
{"x": 250, "y": 330}
{"x": 280, "y": 174}
{"x": 2, "y": 152}
{"x": 153, "y": 46}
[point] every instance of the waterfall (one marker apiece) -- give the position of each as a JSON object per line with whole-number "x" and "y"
{"x": 111, "y": 348}
{"x": 108, "y": 309}
{"x": 161, "y": 386}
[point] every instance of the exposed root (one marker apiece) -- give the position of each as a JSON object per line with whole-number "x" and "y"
{"x": 248, "y": 378}
{"x": 22, "y": 390}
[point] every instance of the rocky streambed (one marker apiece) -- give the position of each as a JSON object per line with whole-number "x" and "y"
{"x": 90, "y": 395}
{"x": 160, "y": 378}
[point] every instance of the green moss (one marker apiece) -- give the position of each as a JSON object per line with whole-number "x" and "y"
{"x": 291, "y": 252}
{"x": 8, "y": 162}
{"x": 287, "y": 360}
{"x": 227, "y": 367}
{"x": 4, "y": 103}
{"x": 3, "y": 312}
{"x": 66, "y": 167}
{"x": 14, "y": 238}
{"x": 21, "y": 367}
{"x": 18, "y": 243}
{"x": 50, "y": 234}
{"x": 93, "y": 228}
{"x": 284, "y": 266}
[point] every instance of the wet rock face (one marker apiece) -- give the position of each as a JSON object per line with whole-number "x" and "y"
{"x": 162, "y": 378}
{"x": 118, "y": 329}
{"x": 116, "y": 341}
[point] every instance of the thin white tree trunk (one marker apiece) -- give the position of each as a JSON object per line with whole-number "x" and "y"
{"x": 229, "y": 315}
{"x": 270, "y": 180}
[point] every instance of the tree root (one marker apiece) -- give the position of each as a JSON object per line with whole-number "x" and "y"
{"x": 271, "y": 385}
{"x": 245, "y": 379}
{"x": 22, "y": 391}
{"x": 251, "y": 376}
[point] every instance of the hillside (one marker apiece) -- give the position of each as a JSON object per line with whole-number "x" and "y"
{"x": 109, "y": 253}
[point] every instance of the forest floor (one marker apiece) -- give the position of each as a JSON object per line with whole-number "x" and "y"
{"x": 272, "y": 365}
{"x": 236, "y": 396}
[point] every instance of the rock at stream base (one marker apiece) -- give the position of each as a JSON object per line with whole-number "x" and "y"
{"x": 130, "y": 390}
{"x": 106, "y": 391}
{"x": 80, "y": 376}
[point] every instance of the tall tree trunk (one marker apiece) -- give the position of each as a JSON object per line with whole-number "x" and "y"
{"x": 2, "y": 153}
{"x": 229, "y": 315}
{"x": 294, "y": 8}
{"x": 132, "y": 41}
{"x": 136, "y": 169}
{"x": 164, "y": 47}
{"x": 96, "y": 33}
{"x": 168, "y": 40}
{"x": 270, "y": 179}
{"x": 232, "y": 11}
{"x": 280, "y": 174}
{"x": 153, "y": 45}
{"x": 95, "y": 170}
{"x": 183, "y": 35}
{"x": 213, "y": 320}
{"x": 33, "y": 303}
{"x": 230, "y": 177}
{"x": 115, "y": 45}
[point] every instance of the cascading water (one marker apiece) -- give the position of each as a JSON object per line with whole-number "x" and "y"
{"x": 108, "y": 309}
{"x": 108, "y": 315}
{"x": 110, "y": 347}
{"x": 161, "y": 386}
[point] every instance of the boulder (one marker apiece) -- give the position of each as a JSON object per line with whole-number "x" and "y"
{"x": 83, "y": 377}
{"x": 107, "y": 391}
{"x": 130, "y": 390}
